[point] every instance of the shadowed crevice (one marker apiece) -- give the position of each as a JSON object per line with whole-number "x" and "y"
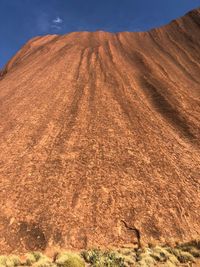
{"x": 167, "y": 110}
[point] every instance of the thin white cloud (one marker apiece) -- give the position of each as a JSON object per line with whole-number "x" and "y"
{"x": 58, "y": 20}
{"x": 44, "y": 24}
{"x": 57, "y": 24}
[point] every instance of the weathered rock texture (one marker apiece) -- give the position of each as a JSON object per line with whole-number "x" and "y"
{"x": 99, "y": 127}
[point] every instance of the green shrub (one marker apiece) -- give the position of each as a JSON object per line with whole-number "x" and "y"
{"x": 68, "y": 259}
{"x": 9, "y": 261}
{"x": 44, "y": 263}
{"x": 182, "y": 256}
{"x": 192, "y": 247}
{"x": 113, "y": 259}
{"x": 156, "y": 256}
{"x": 145, "y": 261}
{"x": 129, "y": 256}
{"x": 193, "y": 243}
{"x": 36, "y": 257}
{"x": 194, "y": 252}
{"x": 144, "y": 258}
{"x": 98, "y": 258}
{"x": 30, "y": 259}
{"x": 91, "y": 256}
{"x": 160, "y": 254}
{"x": 150, "y": 256}
{"x": 3, "y": 260}
{"x": 185, "y": 257}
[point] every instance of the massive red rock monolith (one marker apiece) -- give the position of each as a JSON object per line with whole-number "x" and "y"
{"x": 96, "y": 128}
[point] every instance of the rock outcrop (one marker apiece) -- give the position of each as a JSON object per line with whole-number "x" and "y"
{"x": 99, "y": 127}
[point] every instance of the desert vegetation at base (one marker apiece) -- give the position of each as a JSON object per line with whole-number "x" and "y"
{"x": 187, "y": 254}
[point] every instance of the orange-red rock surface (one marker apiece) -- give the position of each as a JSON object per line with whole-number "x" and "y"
{"x": 99, "y": 127}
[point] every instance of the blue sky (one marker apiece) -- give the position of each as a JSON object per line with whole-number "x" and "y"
{"x": 21, "y": 20}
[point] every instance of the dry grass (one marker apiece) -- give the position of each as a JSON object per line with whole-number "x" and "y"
{"x": 68, "y": 259}
{"x": 99, "y": 258}
{"x": 160, "y": 256}
{"x": 9, "y": 261}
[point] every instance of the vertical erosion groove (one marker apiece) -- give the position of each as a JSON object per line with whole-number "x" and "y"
{"x": 165, "y": 108}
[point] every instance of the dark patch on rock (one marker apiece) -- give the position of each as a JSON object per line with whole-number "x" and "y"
{"x": 32, "y": 236}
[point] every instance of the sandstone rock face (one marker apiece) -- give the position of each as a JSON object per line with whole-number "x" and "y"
{"x": 96, "y": 128}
